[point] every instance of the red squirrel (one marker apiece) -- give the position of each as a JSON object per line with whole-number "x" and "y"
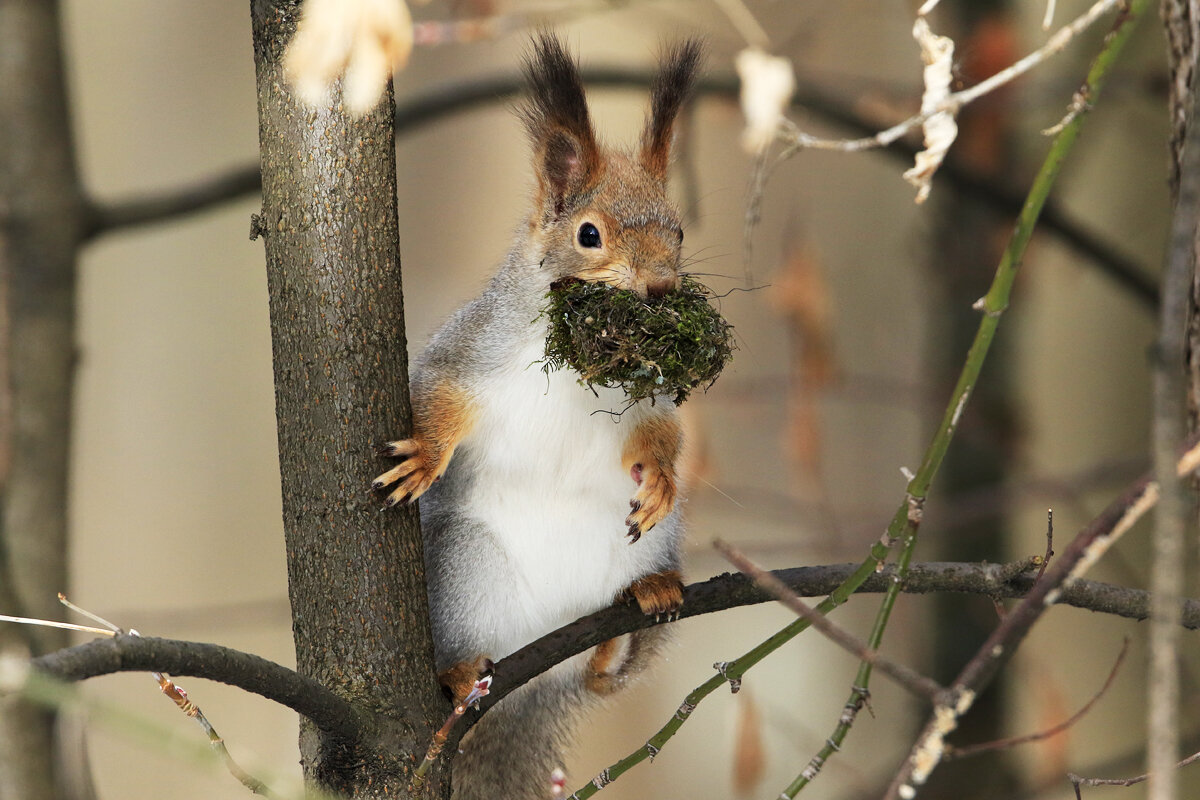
{"x": 537, "y": 510}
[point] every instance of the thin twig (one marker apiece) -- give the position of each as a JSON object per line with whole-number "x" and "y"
{"x": 906, "y": 522}
{"x": 797, "y": 139}
{"x": 443, "y": 100}
{"x": 180, "y": 698}
{"x": 329, "y": 712}
{"x": 927, "y": 752}
{"x": 1079, "y": 780}
{"x": 732, "y": 591}
{"x": 112, "y": 629}
{"x": 909, "y": 678}
{"x": 986, "y": 662}
{"x": 48, "y": 623}
{"x": 477, "y": 693}
{"x": 954, "y": 753}
{"x": 754, "y": 198}
{"x": 1049, "y": 542}
{"x": 1048, "y": 18}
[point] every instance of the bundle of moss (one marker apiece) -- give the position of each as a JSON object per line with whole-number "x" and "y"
{"x": 649, "y": 347}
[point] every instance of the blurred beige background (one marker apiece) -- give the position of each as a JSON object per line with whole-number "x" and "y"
{"x": 175, "y": 500}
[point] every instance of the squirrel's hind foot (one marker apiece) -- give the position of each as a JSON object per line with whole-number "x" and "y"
{"x": 458, "y": 680}
{"x": 660, "y": 594}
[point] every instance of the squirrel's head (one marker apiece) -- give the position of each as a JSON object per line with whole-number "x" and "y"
{"x": 597, "y": 215}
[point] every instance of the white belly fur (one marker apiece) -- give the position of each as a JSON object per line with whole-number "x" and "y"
{"x": 550, "y": 487}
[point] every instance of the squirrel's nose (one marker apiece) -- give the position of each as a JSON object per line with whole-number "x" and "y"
{"x": 659, "y": 286}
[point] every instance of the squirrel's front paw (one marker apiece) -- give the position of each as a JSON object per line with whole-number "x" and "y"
{"x": 654, "y": 499}
{"x": 658, "y": 594}
{"x": 416, "y": 471}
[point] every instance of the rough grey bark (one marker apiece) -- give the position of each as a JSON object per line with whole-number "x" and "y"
{"x": 1181, "y": 24}
{"x": 1176, "y": 395}
{"x": 1177, "y": 325}
{"x": 40, "y": 223}
{"x": 356, "y": 577}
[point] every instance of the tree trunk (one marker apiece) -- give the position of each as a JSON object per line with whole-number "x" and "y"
{"x": 356, "y": 576}
{"x": 41, "y": 217}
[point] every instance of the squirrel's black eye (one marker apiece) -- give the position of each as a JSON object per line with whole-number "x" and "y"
{"x": 589, "y": 235}
{"x": 679, "y": 233}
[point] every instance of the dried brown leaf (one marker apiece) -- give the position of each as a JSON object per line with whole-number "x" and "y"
{"x": 801, "y": 296}
{"x": 749, "y": 753}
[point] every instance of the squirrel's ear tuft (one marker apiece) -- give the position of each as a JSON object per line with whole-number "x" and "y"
{"x": 566, "y": 157}
{"x": 671, "y": 88}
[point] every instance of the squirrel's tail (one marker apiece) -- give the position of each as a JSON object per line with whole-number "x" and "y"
{"x": 512, "y": 752}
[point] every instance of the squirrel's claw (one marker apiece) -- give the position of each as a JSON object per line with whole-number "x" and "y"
{"x": 396, "y": 498}
{"x": 401, "y": 448}
{"x": 660, "y": 594}
{"x": 653, "y": 502}
{"x": 414, "y": 474}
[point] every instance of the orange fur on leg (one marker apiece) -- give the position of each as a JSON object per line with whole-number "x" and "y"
{"x": 605, "y": 672}
{"x": 458, "y": 680}
{"x": 649, "y": 455}
{"x": 440, "y": 422}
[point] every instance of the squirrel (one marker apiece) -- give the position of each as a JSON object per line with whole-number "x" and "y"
{"x": 536, "y": 510}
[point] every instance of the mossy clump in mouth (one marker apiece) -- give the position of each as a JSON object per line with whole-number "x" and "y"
{"x": 649, "y": 347}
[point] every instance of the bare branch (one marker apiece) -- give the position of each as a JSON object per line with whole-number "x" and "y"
{"x": 910, "y": 679}
{"x": 953, "y": 753}
{"x": 1079, "y": 780}
{"x": 1061, "y": 577}
{"x": 342, "y": 720}
{"x": 927, "y": 753}
{"x": 177, "y": 695}
{"x": 444, "y": 100}
{"x": 1169, "y": 429}
{"x": 797, "y": 139}
{"x": 1049, "y": 543}
{"x": 125, "y": 653}
{"x": 731, "y": 591}
{"x": 169, "y": 204}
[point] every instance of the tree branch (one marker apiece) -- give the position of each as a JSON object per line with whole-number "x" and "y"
{"x": 257, "y": 675}
{"x": 907, "y": 677}
{"x": 1062, "y": 576}
{"x": 101, "y": 218}
{"x": 966, "y": 751}
{"x": 450, "y": 98}
{"x": 342, "y": 720}
{"x": 1079, "y": 780}
{"x": 731, "y": 591}
{"x": 1175, "y": 505}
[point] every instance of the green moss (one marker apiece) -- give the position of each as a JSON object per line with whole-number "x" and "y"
{"x": 662, "y": 347}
